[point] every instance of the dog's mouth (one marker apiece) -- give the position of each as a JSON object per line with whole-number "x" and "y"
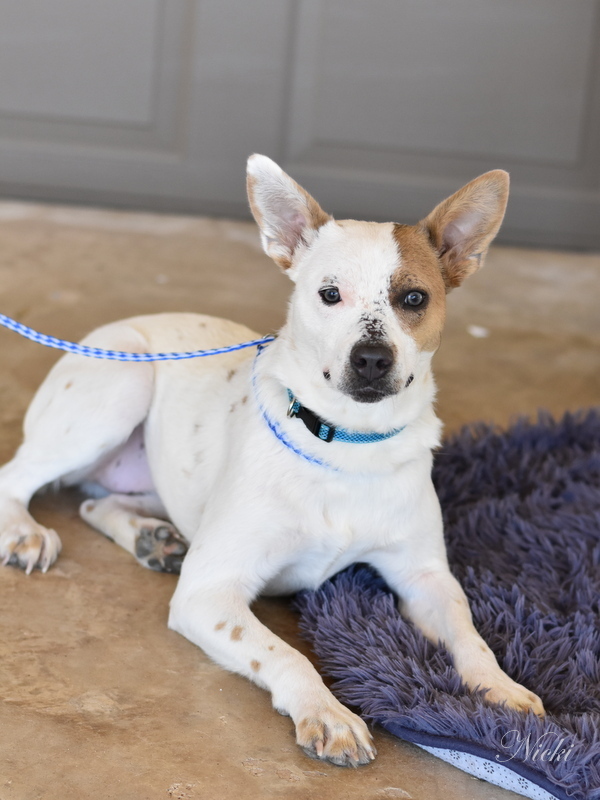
{"x": 370, "y": 393}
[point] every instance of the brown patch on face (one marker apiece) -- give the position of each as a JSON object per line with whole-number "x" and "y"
{"x": 271, "y": 647}
{"x": 419, "y": 270}
{"x": 236, "y": 633}
{"x": 220, "y": 625}
{"x": 256, "y": 665}
{"x": 230, "y": 374}
{"x": 68, "y": 385}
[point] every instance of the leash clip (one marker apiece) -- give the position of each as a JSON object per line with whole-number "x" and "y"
{"x": 292, "y": 412}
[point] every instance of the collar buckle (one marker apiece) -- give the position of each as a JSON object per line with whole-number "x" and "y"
{"x": 329, "y": 433}
{"x": 292, "y": 408}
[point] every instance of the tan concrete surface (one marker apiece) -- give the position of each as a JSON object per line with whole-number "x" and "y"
{"x": 98, "y": 699}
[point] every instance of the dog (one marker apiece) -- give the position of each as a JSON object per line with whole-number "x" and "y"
{"x": 269, "y": 472}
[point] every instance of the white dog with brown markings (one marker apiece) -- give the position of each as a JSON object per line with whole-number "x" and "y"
{"x": 278, "y": 469}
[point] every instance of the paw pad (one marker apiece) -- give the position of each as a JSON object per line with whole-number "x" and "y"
{"x": 160, "y": 548}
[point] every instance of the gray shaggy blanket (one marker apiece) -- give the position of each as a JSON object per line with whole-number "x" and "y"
{"x": 522, "y": 516}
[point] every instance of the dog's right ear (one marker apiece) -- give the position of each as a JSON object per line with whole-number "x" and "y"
{"x": 288, "y": 217}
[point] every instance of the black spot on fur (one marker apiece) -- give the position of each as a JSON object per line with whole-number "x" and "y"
{"x": 373, "y": 327}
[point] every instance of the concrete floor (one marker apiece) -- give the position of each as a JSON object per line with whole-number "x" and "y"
{"x": 99, "y": 699}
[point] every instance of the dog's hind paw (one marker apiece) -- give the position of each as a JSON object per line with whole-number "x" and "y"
{"x": 336, "y": 735}
{"x": 161, "y": 548}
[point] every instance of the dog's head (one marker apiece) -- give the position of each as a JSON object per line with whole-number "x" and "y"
{"x": 369, "y": 305}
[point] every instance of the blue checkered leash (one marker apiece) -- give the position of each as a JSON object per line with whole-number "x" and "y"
{"x": 119, "y": 355}
{"x": 318, "y": 427}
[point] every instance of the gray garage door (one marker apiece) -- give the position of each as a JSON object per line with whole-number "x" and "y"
{"x": 380, "y": 107}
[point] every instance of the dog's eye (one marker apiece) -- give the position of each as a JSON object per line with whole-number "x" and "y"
{"x": 330, "y": 296}
{"x": 414, "y": 299}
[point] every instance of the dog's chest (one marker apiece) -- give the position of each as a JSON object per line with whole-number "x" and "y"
{"x": 338, "y": 525}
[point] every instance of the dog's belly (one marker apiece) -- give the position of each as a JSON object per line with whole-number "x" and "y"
{"x": 181, "y": 417}
{"x": 128, "y": 470}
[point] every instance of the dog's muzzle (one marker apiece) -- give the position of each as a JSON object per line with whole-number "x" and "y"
{"x": 368, "y": 377}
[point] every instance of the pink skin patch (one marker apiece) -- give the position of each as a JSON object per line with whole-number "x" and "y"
{"x": 348, "y": 295}
{"x": 128, "y": 470}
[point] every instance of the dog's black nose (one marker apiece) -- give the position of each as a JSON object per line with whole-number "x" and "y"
{"x": 371, "y": 361}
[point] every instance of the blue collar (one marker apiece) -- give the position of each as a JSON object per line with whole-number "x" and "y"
{"x": 320, "y": 429}
{"x": 328, "y": 433}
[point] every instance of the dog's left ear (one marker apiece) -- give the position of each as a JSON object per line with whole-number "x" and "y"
{"x": 462, "y": 227}
{"x": 288, "y": 217}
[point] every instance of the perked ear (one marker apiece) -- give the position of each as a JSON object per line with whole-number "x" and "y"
{"x": 288, "y": 217}
{"x": 462, "y": 227}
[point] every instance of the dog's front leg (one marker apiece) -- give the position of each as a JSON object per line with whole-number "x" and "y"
{"x": 219, "y": 579}
{"x": 431, "y": 597}
{"x": 435, "y": 602}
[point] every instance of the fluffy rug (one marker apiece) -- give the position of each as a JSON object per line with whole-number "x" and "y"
{"x": 522, "y": 516}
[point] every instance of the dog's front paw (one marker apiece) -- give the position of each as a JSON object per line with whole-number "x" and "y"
{"x": 160, "y": 547}
{"x": 26, "y": 544}
{"x": 333, "y": 733}
{"x": 502, "y": 689}
{"x": 517, "y": 697}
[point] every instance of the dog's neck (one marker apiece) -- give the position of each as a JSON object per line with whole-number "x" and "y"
{"x": 280, "y": 369}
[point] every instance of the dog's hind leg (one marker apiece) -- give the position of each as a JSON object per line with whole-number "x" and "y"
{"x": 82, "y": 413}
{"x": 137, "y": 523}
